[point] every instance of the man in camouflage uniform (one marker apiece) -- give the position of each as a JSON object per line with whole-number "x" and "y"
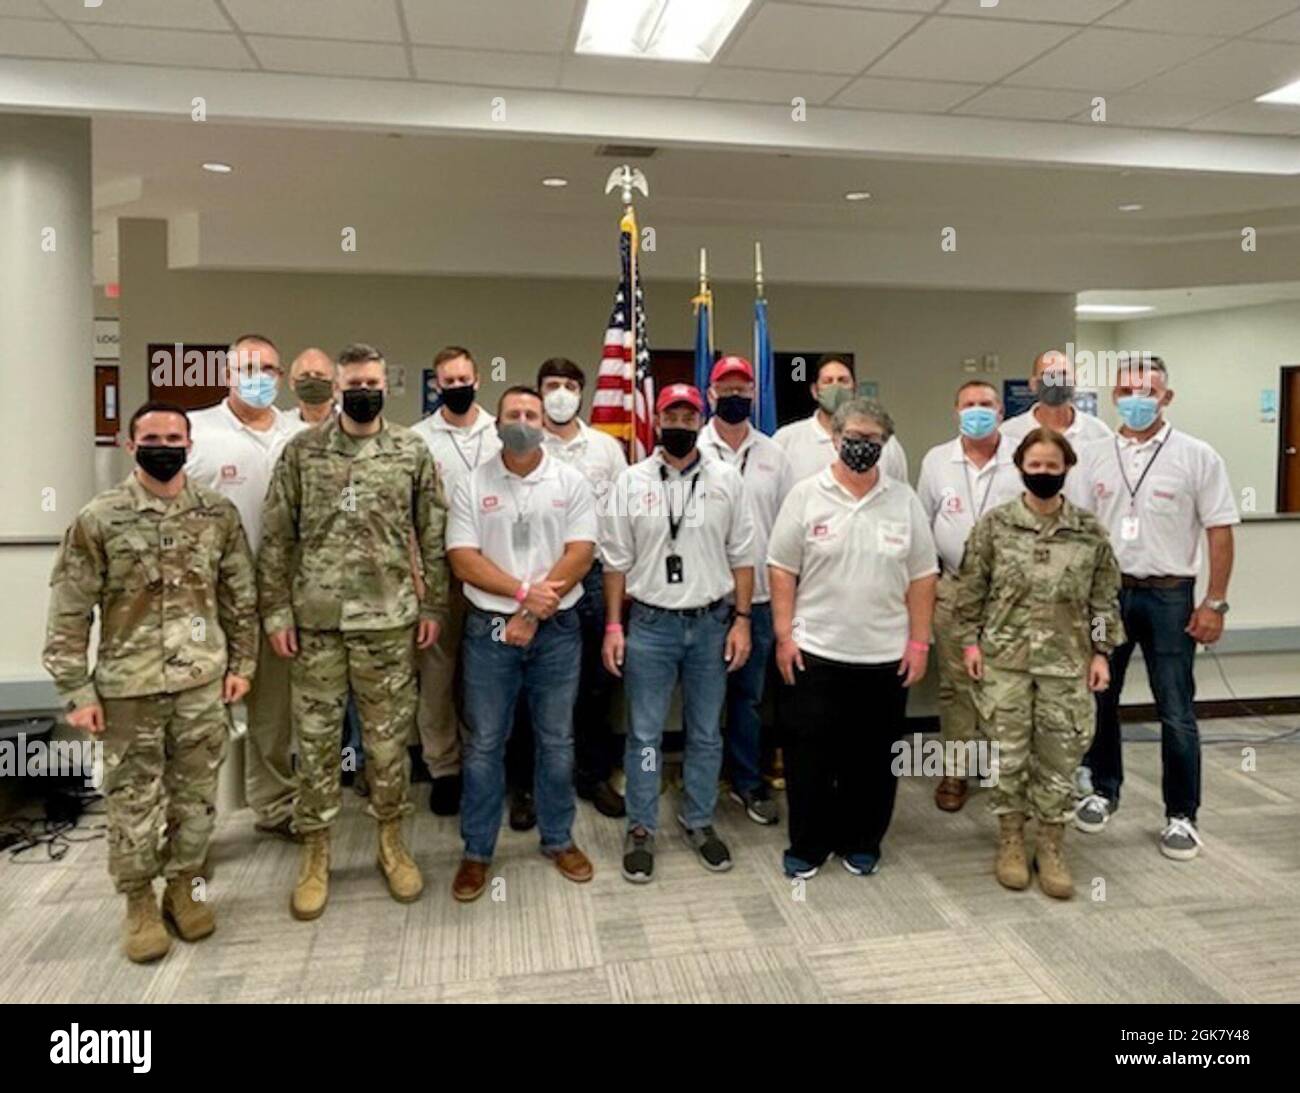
{"x": 166, "y": 563}
{"x": 1037, "y": 614}
{"x": 338, "y": 596}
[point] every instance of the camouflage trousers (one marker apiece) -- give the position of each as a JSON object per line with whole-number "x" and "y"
{"x": 958, "y": 714}
{"x": 162, "y": 754}
{"x": 379, "y": 666}
{"x": 1042, "y": 726}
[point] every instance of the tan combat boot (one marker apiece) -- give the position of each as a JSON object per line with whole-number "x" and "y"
{"x": 145, "y": 938}
{"x": 312, "y": 891}
{"x": 191, "y": 918}
{"x": 1049, "y": 861}
{"x": 404, "y": 881}
{"x": 1012, "y": 869}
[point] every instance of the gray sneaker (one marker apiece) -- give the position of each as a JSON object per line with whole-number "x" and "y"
{"x": 638, "y": 856}
{"x": 712, "y": 851}
{"x": 1179, "y": 839}
{"x": 1082, "y": 783}
{"x": 1092, "y": 813}
{"x": 758, "y": 805}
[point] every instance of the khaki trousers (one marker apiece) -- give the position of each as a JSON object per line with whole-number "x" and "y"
{"x": 438, "y": 715}
{"x": 269, "y": 780}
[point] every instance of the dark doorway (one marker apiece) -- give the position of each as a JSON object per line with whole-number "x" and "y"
{"x": 1288, "y": 441}
{"x": 794, "y": 372}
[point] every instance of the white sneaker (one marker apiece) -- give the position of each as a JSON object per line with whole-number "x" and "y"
{"x": 1092, "y": 813}
{"x": 1179, "y": 839}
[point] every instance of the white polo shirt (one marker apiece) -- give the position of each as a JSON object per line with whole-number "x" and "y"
{"x": 596, "y": 454}
{"x": 955, "y": 493}
{"x": 297, "y": 423}
{"x": 236, "y": 461}
{"x": 521, "y": 524}
{"x": 1157, "y": 530}
{"x": 716, "y": 534}
{"x": 854, "y": 558}
{"x": 458, "y": 450}
{"x": 1083, "y": 430}
{"x": 767, "y": 476}
{"x": 810, "y": 448}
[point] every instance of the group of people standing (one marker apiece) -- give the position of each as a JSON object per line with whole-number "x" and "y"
{"x": 486, "y": 578}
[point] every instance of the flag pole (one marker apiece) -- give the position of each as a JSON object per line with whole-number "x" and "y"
{"x": 758, "y": 268}
{"x": 626, "y": 179}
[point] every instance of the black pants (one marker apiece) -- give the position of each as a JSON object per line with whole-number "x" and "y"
{"x": 594, "y": 746}
{"x": 839, "y": 723}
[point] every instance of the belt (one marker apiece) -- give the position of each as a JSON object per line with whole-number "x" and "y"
{"x": 685, "y": 612}
{"x": 1155, "y": 582}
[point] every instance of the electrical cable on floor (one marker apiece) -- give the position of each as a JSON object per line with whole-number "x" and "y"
{"x": 1251, "y": 714}
{"x": 54, "y": 832}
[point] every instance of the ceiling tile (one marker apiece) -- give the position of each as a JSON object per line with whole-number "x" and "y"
{"x": 1110, "y": 60}
{"x": 181, "y": 14}
{"x": 330, "y": 58}
{"x": 905, "y": 96}
{"x": 357, "y": 20}
{"x": 1237, "y": 70}
{"x": 812, "y": 39}
{"x": 471, "y": 66}
{"x": 39, "y": 38}
{"x": 1022, "y": 102}
{"x": 1140, "y": 109}
{"x": 968, "y": 49}
{"x": 25, "y": 9}
{"x": 919, "y": 6}
{"x": 1286, "y": 29}
{"x": 1198, "y": 16}
{"x": 609, "y": 74}
{"x": 763, "y": 85}
{"x": 1252, "y": 118}
{"x": 167, "y": 47}
{"x": 536, "y": 27}
{"x": 1046, "y": 11}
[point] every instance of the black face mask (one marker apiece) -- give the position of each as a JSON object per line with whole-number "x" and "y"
{"x": 1044, "y": 486}
{"x": 458, "y": 399}
{"x": 859, "y": 454}
{"x": 733, "y": 409}
{"x": 362, "y": 404}
{"x": 160, "y": 461}
{"x": 678, "y": 442}
{"x": 1055, "y": 394}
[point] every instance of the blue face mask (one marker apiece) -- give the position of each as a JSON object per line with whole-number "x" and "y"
{"x": 258, "y": 389}
{"x": 1138, "y": 411}
{"x": 978, "y": 422}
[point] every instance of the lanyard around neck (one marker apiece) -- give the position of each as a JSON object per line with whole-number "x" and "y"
{"x": 1133, "y": 489}
{"x": 674, "y": 526}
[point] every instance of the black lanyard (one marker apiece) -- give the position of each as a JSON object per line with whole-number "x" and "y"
{"x": 1133, "y": 490}
{"x": 674, "y": 526}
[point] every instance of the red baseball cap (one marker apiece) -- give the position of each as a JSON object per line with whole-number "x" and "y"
{"x": 676, "y": 393}
{"x": 732, "y": 366}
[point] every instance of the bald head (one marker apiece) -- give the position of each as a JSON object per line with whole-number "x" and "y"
{"x": 312, "y": 362}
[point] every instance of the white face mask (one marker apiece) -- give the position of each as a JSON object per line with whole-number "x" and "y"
{"x": 561, "y": 404}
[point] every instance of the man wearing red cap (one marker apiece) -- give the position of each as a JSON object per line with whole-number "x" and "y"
{"x": 767, "y": 475}
{"x": 678, "y": 538}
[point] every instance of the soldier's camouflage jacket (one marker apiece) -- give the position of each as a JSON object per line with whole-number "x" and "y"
{"x": 1039, "y": 595}
{"x": 337, "y": 527}
{"x": 176, "y": 592}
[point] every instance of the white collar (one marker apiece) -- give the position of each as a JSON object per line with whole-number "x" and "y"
{"x": 700, "y": 463}
{"x": 1158, "y": 437}
{"x": 815, "y": 427}
{"x": 827, "y": 480}
{"x": 1005, "y": 453}
{"x": 480, "y": 422}
{"x": 541, "y": 471}
{"x": 580, "y": 437}
{"x": 276, "y": 419}
{"x": 710, "y": 435}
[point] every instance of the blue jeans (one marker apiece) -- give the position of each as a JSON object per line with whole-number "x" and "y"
{"x": 662, "y": 648}
{"x": 495, "y": 675}
{"x": 1154, "y": 618}
{"x": 744, "y": 702}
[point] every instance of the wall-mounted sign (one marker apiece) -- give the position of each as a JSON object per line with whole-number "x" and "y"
{"x": 107, "y": 339}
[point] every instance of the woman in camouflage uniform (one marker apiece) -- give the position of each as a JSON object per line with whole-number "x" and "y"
{"x": 1038, "y": 614}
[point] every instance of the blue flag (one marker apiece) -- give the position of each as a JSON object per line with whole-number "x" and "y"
{"x": 703, "y": 339}
{"x": 765, "y": 370}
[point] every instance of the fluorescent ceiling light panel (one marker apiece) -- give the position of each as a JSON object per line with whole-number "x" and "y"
{"x": 1111, "y": 309}
{"x": 658, "y": 30}
{"x": 1288, "y": 95}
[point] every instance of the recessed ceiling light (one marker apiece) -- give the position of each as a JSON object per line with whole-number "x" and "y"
{"x": 1131, "y": 207}
{"x": 218, "y": 168}
{"x": 857, "y": 195}
{"x": 1288, "y": 95}
{"x": 555, "y": 182}
{"x": 659, "y": 30}
{"x": 1111, "y": 309}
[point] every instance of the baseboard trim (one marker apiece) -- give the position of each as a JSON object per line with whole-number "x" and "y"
{"x": 1207, "y": 710}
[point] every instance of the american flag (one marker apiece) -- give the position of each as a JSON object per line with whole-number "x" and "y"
{"x": 624, "y": 387}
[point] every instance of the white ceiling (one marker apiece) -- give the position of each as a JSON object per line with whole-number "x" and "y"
{"x": 1193, "y": 65}
{"x": 1179, "y": 301}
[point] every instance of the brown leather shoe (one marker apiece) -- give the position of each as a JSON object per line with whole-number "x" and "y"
{"x": 572, "y": 863}
{"x": 471, "y": 879}
{"x": 951, "y": 794}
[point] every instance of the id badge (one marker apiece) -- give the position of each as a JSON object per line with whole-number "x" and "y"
{"x": 674, "y": 565}
{"x": 521, "y": 535}
{"x": 1128, "y": 528}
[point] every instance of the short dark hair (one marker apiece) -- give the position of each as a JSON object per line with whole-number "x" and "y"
{"x": 359, "y": 353}
{"x": 254, "y": 338}
{"x": 1044, "y": 435}
{"x": 517, "y": 389}
{"x": 977, "y": 383}
{"x": 157, "y": 406}
{"x": 451, "y": 353}
{"x": 562, "y": 367}
{"x": 832, "y": 358}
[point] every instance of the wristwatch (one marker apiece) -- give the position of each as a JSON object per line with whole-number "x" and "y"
{"x": 1221, "y": 606}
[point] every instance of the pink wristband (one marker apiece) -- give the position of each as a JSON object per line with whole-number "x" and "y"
{"x": 919, "y": 646}
{"x": 521, "y": 593}
{"x": 613, "y": 627}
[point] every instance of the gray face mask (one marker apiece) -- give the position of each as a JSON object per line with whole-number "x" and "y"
{"x": 520, "y": 438}
{"x": 1055, "y": 393}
